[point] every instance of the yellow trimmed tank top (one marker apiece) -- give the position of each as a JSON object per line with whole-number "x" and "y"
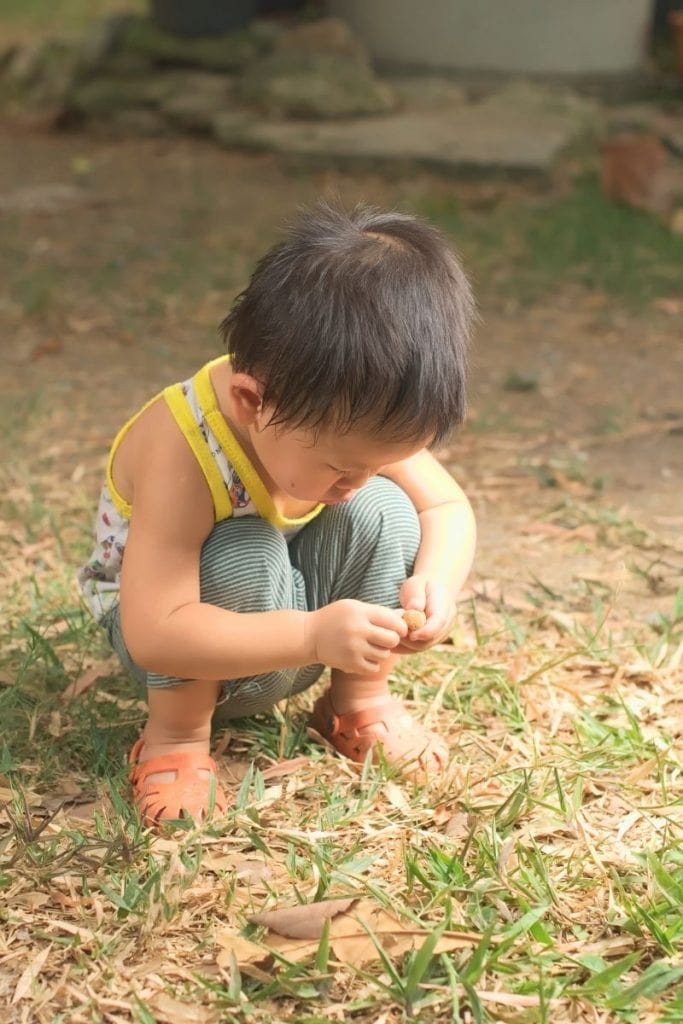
{"x": 235, "y": 486}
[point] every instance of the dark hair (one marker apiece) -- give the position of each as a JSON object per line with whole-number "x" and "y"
{"x": 357, "y": 317}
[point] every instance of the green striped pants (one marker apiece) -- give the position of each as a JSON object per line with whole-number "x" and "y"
{"x": 363, "y": 549}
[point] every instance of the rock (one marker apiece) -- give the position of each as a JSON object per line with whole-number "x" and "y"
{"x": 101, "y": 40}
{"x": 459, "y": 140}
{"x": 40, "y": 77}
{"x": 266, "y": 31}
{"x": 101, "y": 97}
{"x": 193, "y": 102}
{"x": 234, "y": 130}
{"x": 139, "y": 122}
{"x": 6, "y": 55}
{"x": 59, "y": 70}
{"x": 630, "y": 117}
{"x": 544, "y": 104}
{"x": 636, "y": 170}
{"x": 325, "y": 35}
{"x": 126, "y": 64}
{"x": 294, "y": 83}
{"x": 25, "y": 63}
{"x": 220, "y": 53}
{"x": 648, "y": 118}
{"x": 51, "y": 198}
{"x": 427, "y": 92}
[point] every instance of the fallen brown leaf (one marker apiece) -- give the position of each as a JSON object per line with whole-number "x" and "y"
{"x": 303, "y": 922}
{"x": 49, "y": 347}
{"x": 29, "y": 975}
{"x": 248, "y": 869}
{"x": 458, "y": 826}
{"x": 243, "y": 950}
{"x": 86, "y": 680}
{"x": 284, "y": 768}
{"x": 32, "y": 900}
{"x": 173, "y": 1011}
{"x": 511, "y": 998}
{"x": 352, "y": 944}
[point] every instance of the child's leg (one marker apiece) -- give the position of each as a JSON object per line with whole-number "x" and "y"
{"x": 244, "y": 567}
{"x": 365, "y": 550}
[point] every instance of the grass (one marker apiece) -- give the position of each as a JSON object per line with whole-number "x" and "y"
{"x": 526, "y": 249}
{"x": 554, "y": 838}
{"x": 24, "y": 18}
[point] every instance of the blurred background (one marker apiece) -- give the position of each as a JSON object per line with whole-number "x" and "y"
{"x": 151, "y": 152}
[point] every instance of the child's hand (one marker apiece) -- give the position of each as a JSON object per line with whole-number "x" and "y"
{"x": 355, "y": 637}
{"x": 434, "y": 599}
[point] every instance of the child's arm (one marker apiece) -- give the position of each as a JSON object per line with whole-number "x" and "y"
{"x": 447, "y": 548}
{"x": 166, "y": 626}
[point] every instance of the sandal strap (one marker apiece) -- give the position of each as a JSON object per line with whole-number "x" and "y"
{"x": 177, "y": 762}
{"x": 189, "y": 790}
{"x": 352, "y": 721}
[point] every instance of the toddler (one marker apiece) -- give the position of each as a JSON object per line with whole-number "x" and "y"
{"x": 278, "y": 509}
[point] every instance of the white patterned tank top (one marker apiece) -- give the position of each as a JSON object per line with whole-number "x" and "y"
{"x": 236, "y": 488}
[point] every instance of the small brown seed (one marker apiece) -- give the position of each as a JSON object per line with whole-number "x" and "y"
{"x": 414, "y": 619}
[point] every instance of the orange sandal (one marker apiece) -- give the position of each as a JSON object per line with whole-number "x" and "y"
{"x": 187, "y": 793}
{"x": 385, "y": 726}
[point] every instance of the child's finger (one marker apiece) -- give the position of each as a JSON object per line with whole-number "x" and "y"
{"x": 388, "y": 618}
{"x": 413, "y": 592}
{"x": 387, "y": 638}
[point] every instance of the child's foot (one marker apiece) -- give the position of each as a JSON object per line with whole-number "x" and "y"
{"x": 380, "y": 724}
{"x": 175, "y": 783}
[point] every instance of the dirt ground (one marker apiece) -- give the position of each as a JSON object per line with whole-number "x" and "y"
{"x": 115, "y": 280}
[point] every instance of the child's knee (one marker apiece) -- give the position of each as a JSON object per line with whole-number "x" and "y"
{"x": 245, "y": 566}
{"x": 241, "y": 698}
{"x": 383, "y": 512}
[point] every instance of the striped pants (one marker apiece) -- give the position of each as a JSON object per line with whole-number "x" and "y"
{"x": 363, "y": 549}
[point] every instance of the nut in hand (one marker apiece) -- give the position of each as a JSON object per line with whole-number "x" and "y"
{"x": 414, "y": 619}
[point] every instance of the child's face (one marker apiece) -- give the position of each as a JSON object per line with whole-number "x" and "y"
{"x": 323, "y": 466}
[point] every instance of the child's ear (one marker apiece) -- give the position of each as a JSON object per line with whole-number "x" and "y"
{"x": 247, "y": 397}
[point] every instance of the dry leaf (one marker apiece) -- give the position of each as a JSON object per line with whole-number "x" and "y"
{"x": 511, "y": 999}
{"x": 84, "y": 934}
{"x": 351, "y": 943}
{"x": 458, "y": 826}
{"x": 32, "y": 900}
{"x": 247, "y": 869}
{"x": 86, "y": 680}
{"x": 173, "y": 1011}
{"x": 54, "y": 726}
{"x": 303, "y": 922}
{"x": 29, "y": 975}
{"x": 397, "y": 797}
{"x": 641, "y": 771}
{"x": 49, "y": 347}
{"x": 232, "y": 770}
{"x": 7, "y": 795}
{"x": 278, "y": 771}
{"x": 243, "y": 950}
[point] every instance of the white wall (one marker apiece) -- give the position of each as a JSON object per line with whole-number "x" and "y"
{"x": 533, "y": 36}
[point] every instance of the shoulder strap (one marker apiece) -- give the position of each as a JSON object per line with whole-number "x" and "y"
{"x": 256, "y": 489}
{"x": 181, "y": 412}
